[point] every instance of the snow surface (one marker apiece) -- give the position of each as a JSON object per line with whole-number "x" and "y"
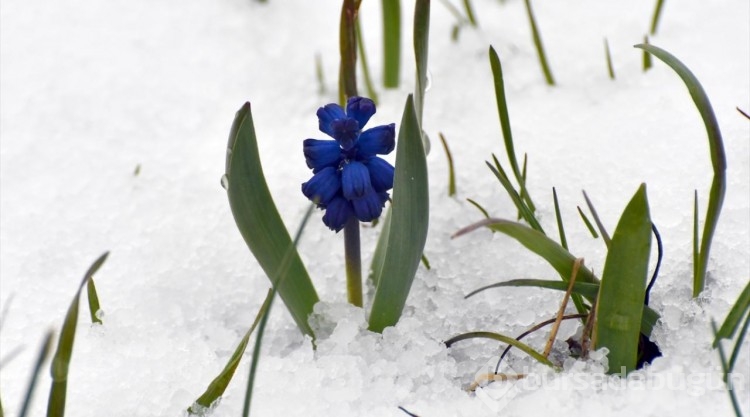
{"x": 92, "y": 89}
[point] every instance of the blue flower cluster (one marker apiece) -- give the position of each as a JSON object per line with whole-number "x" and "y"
{"x": 349, "y": 180}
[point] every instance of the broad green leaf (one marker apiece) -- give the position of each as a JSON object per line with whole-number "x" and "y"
{"x": 217, "y": 387}
{"x": 64, "y": 352}
{"x": 379, "y": 255}
{"x": 718, "y": 157}
{"x": 408, "y": 224}
{"x": 93, "y": 301}
{"x": 623, "y": 285}
{"x": 421, "y": 52}
{"x": 737, "y": 312}
{"x": 586, "y": 289}
{"x": 43, "y": 355}
{"x": 391, "y": 42}
{"x": 502, "y": 338}
{"x": 260, "y": 223}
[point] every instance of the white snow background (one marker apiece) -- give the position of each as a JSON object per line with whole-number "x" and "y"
{"x": 92, "y": 89}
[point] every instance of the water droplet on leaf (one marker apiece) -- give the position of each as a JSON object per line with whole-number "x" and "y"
{"x": 225, "y": 179}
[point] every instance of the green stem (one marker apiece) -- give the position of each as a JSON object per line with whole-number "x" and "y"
{"x": 348, "y": 47}
{"x": 353, "y": 262}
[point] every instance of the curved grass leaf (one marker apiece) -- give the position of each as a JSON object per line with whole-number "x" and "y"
{"x": 64, "y": 352}
{"x": 43, "y": 354}
{"x": 501, "y": 338}
{"x": 558, "y": 218}
{"x": 718, "y": 158}
{"x": 409, "y": 219}
{"x": 586, "y": 289}
{"x": 93, "y": 301}
{"x": 726, "y": 370}
{"x": 451, "y": 172}
{"x": 391, "y": 42}
{"x": 260, "y": 223}
{"x": 739, "y": 309}
{"x": 623, "y": 287}
{"x": 219, "y": 384}
{"x": 597, "y": 220}
{"x": 587, "y": 222}
{"x": 524, "y": 210}
{"x": 479, "y": 207}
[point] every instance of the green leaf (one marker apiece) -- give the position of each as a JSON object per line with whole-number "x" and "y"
{"x": 479, "y": 207}
{"x": 502, "y": 111}
{"x": 655, "y": 17}
{"x": 523, "y": 209}
{"x": 421, "y": 48}
{"x": 587, "y": 222}
{"x": 608, "y": 56}
{"x": 64, "y": 352}
{"x": 369, "y": 87}
{"x": 718, "y": 157}
{"x": 502, "y": 338}
{"x": 217, "y": 387}
{"x": 260, "y": 223}
{"x": 451, "y": 172}
{"x": 43, "y": 354}
{"x": 282, "y": 271}
{"x": 623, "y": 286}
{"x": 470, "y": 13}
{"x": 538, "y": 45}
{"x": 379, "y": 255}
{"x": 599, "y": 224}
{"x": 93, "y": 301}
{"x": 391, "y": 42}
{"x": 586, "y": 289}
{"x": 739, "y": 309}
{"x": 408, "y": 222}
{"x": 558, "y": 218}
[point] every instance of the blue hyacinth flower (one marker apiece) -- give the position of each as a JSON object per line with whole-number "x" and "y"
{"x": 349, "y": 179}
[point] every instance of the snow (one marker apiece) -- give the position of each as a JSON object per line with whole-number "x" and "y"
{"x": 91, "y": 90}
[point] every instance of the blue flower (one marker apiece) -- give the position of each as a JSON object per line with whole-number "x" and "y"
{"x": 349, "y": 179}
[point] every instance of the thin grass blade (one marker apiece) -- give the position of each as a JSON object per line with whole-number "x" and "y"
{"x": 558, "y": 218}
{"x": 647, "y": 63}
{"x": 725, "y": 369}
{"x": 501, "y": 338}
{"x": 219, "y": 384}
{"x": 526, "y": 212}
{"x": 319, "y": 75}
{"x": 734, "y": 317}
{"x": 623, "y": 286}
{"x": 738, "y": 344}
{"x": 587, "y": 222}
{"x": 279, "y": 276}
{"x": 369, "y": 87}
{"x": 44, "y": 353}
{"x": 586, "y": 289}
{"x": 410, "y": 218}
{"x": 479, "y": 207}
{"x": 391, "y": 42}
{"x": 93, "y": 298}
{"x": 451, "y": 172}
{"x": 259, "y": 221}
{"x": 502, "y": 111}
{"x": 608, "y": 56}
{"x": 470, "y": 13}
{"x": 599, "y": 224}
{"x": 655, "y": 17}
{"x": 538, "y": 45}
{"x": 64, "y": 352}
{"x": 718, "y": 157}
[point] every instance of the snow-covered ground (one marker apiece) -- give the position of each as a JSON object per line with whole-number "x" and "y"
{"x": 91, "y": 90}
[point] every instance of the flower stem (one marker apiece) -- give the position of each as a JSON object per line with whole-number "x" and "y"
{"x": 353, "y": 261}
{"x": 348, "y": 48}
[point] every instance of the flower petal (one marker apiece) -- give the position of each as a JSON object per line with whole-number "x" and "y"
{"x": 381, "y": 174}
{"x": 355, "y": 180}
{"x": 321, "y": 153}
{"x": 327, "y": 114}
{"x": 337, "y": 213}
{"x": 345, "y": 131}
{"x": 378, "y": 140}
{"x": 323, "y": 186}
{"x": 361, "y": 109}
{"x": 369, "y": 207}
